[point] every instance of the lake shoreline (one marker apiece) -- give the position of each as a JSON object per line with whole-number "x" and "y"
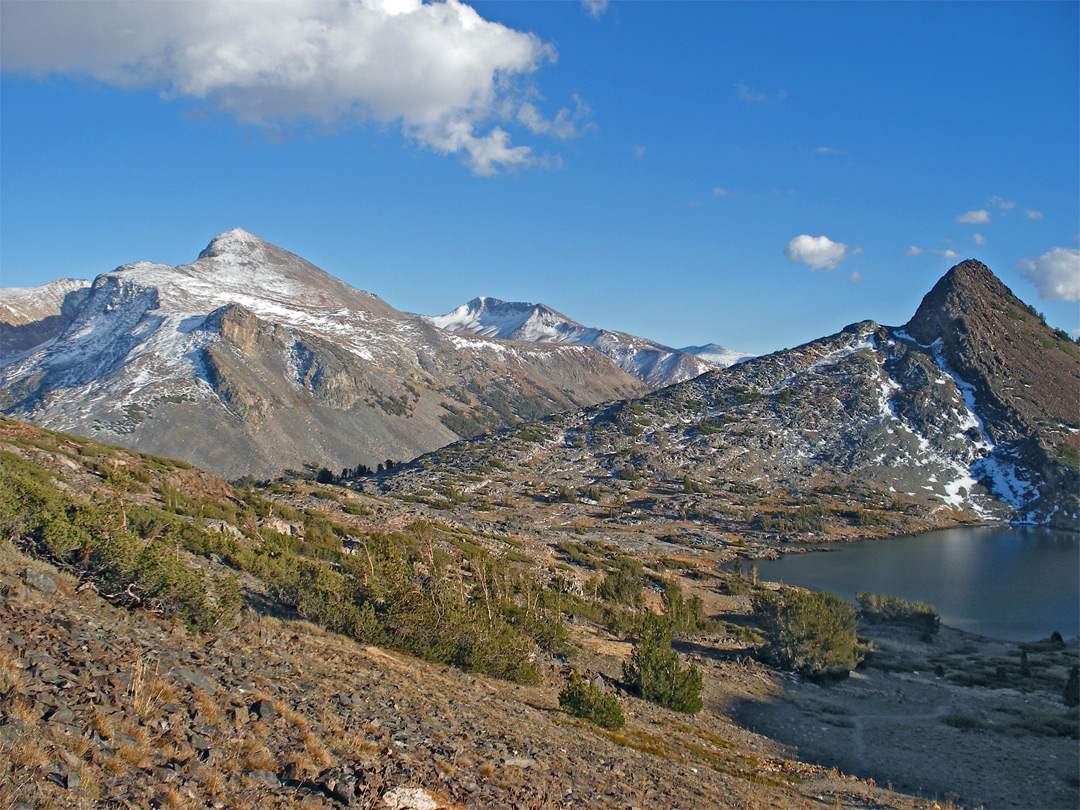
{"x": 1015, "y": 584}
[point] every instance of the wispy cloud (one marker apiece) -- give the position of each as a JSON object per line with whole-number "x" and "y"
{"x": 819, "y": 252}
{"x": 828, "y": 150}
{"x": 564, "y": 125}
{"x": 725, "y": 192}
{"x": 752, "y": 94}
{"x": 595, "y": 8}
{"x": 447, "y": 77}
{"x": 1001, "y": 204}
{"x": 1031, "y": 213}
{"x": 639, "y": 152}
{"x": 978, "y": 239}
{"x": 1055, "y": 274}
{"x": 855, "y": 277}
{"x": 947, "y": 253}
{"x": 980, "y": 217}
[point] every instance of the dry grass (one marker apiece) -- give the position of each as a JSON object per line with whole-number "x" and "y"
{"x": 211, "y": 780}
{"x": 207, "y": 707}
{"x": 102, "y": 723}
{"x": 316, "y": 750}
{"x": 256, "y": 756}
{"x": 28, "y": 752}
{"x": 11, "y": 669}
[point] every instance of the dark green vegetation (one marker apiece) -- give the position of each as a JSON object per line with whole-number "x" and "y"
{"x": 806, "y": 632}
{"x": 879, "y": 608}
{"x": 129, "y": 559}
{"x": 654, "y": 672}
{"x": 153, "y": 533}
{"x": 584, "y": 699}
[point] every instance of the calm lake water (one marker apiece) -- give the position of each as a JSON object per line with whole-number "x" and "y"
{"x": 1019, "y": 584}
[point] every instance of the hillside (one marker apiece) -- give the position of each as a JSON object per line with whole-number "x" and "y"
{"x": 873, "y": 430}
{"x": 189, "y": 694}
{"x": 169, "y": 640}
{"x": 250, "y": 360}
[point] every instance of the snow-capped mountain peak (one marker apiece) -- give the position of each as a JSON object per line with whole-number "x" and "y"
{"x": 652, "y": 362}
{"x": 236, "y": 242}
{"x": 504, "y": 320}
{"x": 717, "y": 355}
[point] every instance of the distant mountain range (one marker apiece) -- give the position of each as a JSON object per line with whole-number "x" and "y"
{"x": 251, "y": 359}
{"x": 655, "y": 364}
{"x": 968, "y": 412}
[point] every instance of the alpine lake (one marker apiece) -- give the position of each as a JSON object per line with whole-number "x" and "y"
{"x": 1014, "y": 583}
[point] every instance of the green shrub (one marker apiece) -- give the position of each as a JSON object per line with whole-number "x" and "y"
{"x": 585, "y": 700}
{"x": 806, "y": 632}
{"x": 879, "y": 608}
{"x": 623, "y": 585}
{"x": 654, "y": 672}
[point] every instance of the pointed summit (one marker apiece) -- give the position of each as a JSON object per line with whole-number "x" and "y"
{"x": 968, "y": 289}
{"x": 233, "y": 243}
{"x": 1019, "y": 368}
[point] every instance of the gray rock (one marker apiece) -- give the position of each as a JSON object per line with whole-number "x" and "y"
{"x": 39, "y": 581}
{"x": 264, "y": 776}
{"x": 264, "y": 710}
{"x": 196, "y": 679}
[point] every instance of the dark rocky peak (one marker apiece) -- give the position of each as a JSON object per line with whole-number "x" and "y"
{"x": 966, "y": 290}
{"x": 1020, "y": 369}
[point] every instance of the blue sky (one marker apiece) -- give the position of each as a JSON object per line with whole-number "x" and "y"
{"x": 756, "y": 175}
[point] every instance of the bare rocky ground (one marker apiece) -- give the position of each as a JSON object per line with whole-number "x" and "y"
{"x": 994, "y": 746}
{"x": 107, "y": 707}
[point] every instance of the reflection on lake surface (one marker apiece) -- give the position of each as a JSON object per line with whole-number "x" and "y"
{"x": 1019, "y": 584}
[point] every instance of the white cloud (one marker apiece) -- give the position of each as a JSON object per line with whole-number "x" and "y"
{"x": 725, "y": 192}
{"x": 1056, "y": 274}
{"x": 946, "y": 254}
{"x": 595, "y": 8}
{"x": 1031, "y": 213}
{"x": 827, "y": 150}
{"x": 980, "y": 217}
{"x": 639, "y": 152}
{"x": 820, "y": 252}
{"x": 1002, "y": 203}
{"x": 979, "y": 239}
{"x": 914, "y": 251}
{"x": 443, "y": 74}
{"x": 855, "y": 277}
{"x": 752, "y": 94}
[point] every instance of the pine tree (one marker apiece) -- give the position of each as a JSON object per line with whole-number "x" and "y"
{"x": 653, "y": 670}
